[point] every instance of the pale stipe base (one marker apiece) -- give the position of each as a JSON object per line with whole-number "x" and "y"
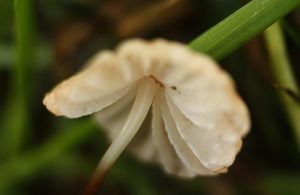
{"x": 140, "y": 108}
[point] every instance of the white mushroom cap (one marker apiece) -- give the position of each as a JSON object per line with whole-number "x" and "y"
{"x": 197, "y": 119}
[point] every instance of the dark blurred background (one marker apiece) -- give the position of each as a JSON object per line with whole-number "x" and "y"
{"x": 61, "y": 35}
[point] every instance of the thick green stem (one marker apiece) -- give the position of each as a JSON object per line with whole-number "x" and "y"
{"x": 241, "y": 26}
{"x": 283, "y": 74}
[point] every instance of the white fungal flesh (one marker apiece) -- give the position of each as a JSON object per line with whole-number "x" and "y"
{"x": 181, "y": 147}
{"x": 166, "y": 152}
{"x": 198, "y": 119}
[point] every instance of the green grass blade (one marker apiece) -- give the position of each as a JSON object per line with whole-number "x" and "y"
{"x": 241, "y": 26}
{"x": 283, "y": 74}
{"x": 22, "y": 78}
{"x": 11, "y": 172}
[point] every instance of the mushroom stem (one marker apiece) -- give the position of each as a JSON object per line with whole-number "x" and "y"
{"x": 140, "y": 108}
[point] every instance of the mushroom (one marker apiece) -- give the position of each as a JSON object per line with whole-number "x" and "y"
{"x": 197, "y": 119}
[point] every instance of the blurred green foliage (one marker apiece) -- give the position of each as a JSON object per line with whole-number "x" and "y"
{"x": 42, "y": 42}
